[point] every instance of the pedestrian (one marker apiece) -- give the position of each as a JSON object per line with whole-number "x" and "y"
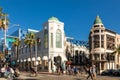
{"x": 81, "y": 70}
{"x": 59, "y": 70}
{"x": 9, "y": 73}
{"x": 33, "y": 71}
{"x": 94, "y": 72}
{"x": 90, "y": 74}
{"x": 54, "y": 69}
{"x": 75, "y": 70}
{"x": 69, "y": 69}
{"x": 17, "y": 72}
{"x": 3, "y": 70}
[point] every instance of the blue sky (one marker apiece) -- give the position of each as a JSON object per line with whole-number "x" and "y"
{"x": 77, "y": 15}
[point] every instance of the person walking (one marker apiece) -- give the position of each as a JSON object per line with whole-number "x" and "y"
{"x": 90, "y": 74}
{"x": 17, "y": 72}
{"x": 94, "y": 72}
{"x": 54, "y": 69}
{"x": 75, "y": 70}
{"x": 69, "y": 70}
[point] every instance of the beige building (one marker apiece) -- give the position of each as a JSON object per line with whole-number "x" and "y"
{"x": 102, "y": 42}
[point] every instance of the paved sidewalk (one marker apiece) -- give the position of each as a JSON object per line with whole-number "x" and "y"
{"x": 49, "y": 76}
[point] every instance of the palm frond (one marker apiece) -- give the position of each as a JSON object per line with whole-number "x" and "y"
{"x": 30, "y": 39}
{"x": 117, "y": 50}
{"x": 17, "y": 42}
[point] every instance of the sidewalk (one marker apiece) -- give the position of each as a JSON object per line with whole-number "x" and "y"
{"x": 40, "y": 73}
{"x": 3, "y": 79}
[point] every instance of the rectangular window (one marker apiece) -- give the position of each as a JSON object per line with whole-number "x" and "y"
{"x": 96, "y": 25}
{"x": 96, "y": 31}
{"x": 22, "y": 50}
{"x": 58, "y": 41}
{"x": 51, "y": 40}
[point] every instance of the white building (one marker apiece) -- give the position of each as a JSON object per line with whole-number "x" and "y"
{"x": 52, "y": 45}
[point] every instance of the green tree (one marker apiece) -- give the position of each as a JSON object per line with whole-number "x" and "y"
{"x": 30, "y": 41}
{"x": 117, "y": 51}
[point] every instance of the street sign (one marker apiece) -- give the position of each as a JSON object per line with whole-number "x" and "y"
{"x": 10, "y": 39}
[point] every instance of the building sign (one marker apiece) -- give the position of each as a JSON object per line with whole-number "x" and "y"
{"x": 10, "y": 39}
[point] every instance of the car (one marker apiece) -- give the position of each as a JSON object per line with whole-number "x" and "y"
{"x": 105, "y": 72}
{"x": 116, "y": 73}
{"x": 108, "y": 72}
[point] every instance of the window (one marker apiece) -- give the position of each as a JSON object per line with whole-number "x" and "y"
{"x": 22, "y": 50}
{"x": 25, "y": 49}
{"x": 33, "y": 48}
{"x": 58, "y": 39}
{"x": 96, "y": 37}
{"x": 96, "y": 31}
{"x": 51, "y": 40}
{"x": 110, "y": 42}
{"x": 102, "y": 44}
{"x": 96, "y": 25}
{"x": 101, "y": 25}
{"x": 96, "y": 56}
{"x": 45, "y": 39}
{"x": 96, "y": 44}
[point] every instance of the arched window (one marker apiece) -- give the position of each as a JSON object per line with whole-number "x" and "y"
{"x": 45, "y": 39}
{"x": 58, "y": 39}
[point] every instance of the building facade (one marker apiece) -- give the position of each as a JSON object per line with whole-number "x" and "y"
{"x": 102, "y": 42}
{"x": 51, "y": 48}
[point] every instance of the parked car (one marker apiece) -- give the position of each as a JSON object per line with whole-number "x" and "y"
{"x": 116, "y": 73}
{"x": 108, "y": 72}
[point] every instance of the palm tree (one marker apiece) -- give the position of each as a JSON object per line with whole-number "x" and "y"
{"x": 3, "y": 20}
{"x": 30, "y": 41}
{"x": 16, "y": 45}
{"x": 117, "y": 51}
{"x": 3, "y": 25}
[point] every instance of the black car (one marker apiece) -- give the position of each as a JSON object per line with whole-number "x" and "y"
{"x": 108, "y": 72}
{"x": 116, "y": 73}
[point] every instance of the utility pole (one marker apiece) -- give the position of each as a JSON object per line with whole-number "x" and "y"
{"x": 5, "y": 22}
{"x": 36, "y": 63}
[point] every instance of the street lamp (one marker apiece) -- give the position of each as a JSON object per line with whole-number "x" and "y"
{"x": 36, "y": 63}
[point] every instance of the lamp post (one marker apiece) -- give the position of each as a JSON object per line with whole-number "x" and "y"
{"x": 36, "y": 63}
{"x": 5, "y": 33}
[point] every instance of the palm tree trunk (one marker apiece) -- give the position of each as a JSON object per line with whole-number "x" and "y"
{"x": 17, "y": 52}
{"x": 30, "y": 56}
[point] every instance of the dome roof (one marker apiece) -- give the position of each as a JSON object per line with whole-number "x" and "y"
{"x": 97, "y": 20}
{"x": 53, "y": 18}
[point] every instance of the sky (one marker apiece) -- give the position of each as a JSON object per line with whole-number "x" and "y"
{"x": 77, "y": 15}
